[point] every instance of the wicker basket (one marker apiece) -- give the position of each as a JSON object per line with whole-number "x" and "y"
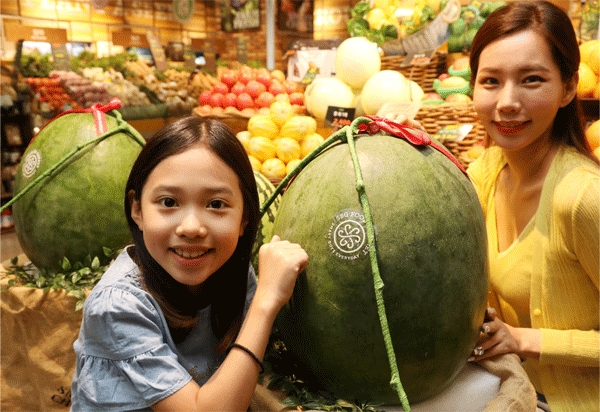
{"x": 236, "y": 121}
{"x": 435, "y": 117}
{"x": 423, "y": 75}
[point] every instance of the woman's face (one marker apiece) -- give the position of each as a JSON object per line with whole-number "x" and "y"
{"x": 518, "y": 91}
{"x": 191, "y": 214}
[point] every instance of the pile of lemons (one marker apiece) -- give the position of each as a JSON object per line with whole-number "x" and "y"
{"x": 277, "y": 139}
{"x": 589, "y": 70}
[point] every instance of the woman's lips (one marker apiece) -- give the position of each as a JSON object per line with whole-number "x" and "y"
{"x": 510, "y": 128}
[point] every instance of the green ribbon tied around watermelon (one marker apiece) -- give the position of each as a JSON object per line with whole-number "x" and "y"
{"x": 99, "y": 112}
{"x": 370, "y": 125}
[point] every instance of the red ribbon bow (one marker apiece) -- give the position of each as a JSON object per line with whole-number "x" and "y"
{"x": 413, "y": 136}
{"x": 97, "y": 110}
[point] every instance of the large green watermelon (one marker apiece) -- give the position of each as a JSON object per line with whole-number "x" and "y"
{"x": 78, "y": 209}
{"x": 265, "y": 227}
{"x": 431, "y": 252}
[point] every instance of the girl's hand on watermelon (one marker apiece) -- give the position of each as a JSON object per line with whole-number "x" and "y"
{"x": 279, "y": 263}
{"x": 497, "y": 338}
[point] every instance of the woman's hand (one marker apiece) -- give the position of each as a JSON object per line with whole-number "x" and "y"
{"x": 497, "y": 338}
{"x": 279, "y": 263}
{"x": 402, "y": 119}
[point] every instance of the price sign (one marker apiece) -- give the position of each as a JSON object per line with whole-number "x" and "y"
{"x": 62, "y": 61}
{"x": 453, "y": 132}
{"x": 242, "y": 50}
{"x": 158, "y": 53}
{"x": 189, "y": 57}
{"x": 16, "y": 32}
{"x": 127, "y": 38}
{"x": 339, "y": 117}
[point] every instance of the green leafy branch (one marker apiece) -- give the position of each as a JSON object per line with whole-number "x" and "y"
{"x": 75, "y": 278}
{"x": 281, "y": 366}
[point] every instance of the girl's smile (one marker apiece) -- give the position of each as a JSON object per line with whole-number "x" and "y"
{"x": 191, "y": 214}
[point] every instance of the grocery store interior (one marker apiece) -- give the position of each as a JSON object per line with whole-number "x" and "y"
{"x": 283, "y": 75}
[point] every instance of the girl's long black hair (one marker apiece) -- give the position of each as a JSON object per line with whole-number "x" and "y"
{"x": 225, "y": 290}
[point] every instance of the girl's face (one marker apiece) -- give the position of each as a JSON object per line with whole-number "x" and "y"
{"x": 518, "y": 91}
{"x": 191, "y": 214}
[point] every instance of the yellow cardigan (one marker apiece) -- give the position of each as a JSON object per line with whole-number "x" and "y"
{"x": 564, "y": 295}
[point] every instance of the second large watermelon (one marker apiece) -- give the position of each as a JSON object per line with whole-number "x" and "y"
{"x": 431, "y": 250}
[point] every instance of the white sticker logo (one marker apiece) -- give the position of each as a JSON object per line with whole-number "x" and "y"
{"x": 347, "y": 235}
{"x": 31, "y": 163}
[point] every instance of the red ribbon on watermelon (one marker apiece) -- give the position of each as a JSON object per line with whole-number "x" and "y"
{"x": 98, "y": 111}
{"x": 414, "y": 136}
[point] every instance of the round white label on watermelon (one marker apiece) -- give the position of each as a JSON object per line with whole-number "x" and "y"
{"x": 31, "y": 163}
{"x": 347, "y": 235}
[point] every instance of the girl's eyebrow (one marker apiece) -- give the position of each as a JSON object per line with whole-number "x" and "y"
{"x": 210, "y": 190}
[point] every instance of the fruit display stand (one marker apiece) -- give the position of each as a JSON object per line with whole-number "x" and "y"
{"x": 422, "y": 74}
{"x": 436, "y": 117}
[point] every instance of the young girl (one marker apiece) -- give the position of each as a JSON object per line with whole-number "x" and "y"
{"x": 179, "y": 322}
{"x": 539, "y": 186}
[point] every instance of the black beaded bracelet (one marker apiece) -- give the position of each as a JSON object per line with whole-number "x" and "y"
{"x": 249, "y": 352}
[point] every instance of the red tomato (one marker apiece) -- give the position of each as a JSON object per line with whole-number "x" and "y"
{"x": 276, "y": 88}
{"x": 297, "y": 98}
{"x": 254, "y": 88}
{"x": 239, "y": 88}
{"x": 230, "y": 100}
{"x": 216, "y": 100}
{"x": 244, "y": 101}
{"x": 229, "y": 77}
{"x": 204, "y": 97}
{"x": 220, "y": 88}
{"x": 264, "y": 99}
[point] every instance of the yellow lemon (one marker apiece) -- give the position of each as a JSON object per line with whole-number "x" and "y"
{"x": 597, "y": 152}
{"x": 592, "y": 135}
{"x": 587, "y": 81}
{"x": 262, "y": 148}
{"x": 273, "y": 168}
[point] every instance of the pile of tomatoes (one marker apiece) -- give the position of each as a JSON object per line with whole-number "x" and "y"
{"x": 48, "y": 91}
{"x": 247, "y": 89}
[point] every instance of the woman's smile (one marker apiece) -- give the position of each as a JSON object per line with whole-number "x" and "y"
{"x": 510, "y": 128}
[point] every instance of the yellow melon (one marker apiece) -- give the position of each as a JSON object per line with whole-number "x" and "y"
{"x": 590, "y": 54}
{"x": 273, "y": 169}
{"x": 587, "y": 81}
{"x": 592, "y": 134}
